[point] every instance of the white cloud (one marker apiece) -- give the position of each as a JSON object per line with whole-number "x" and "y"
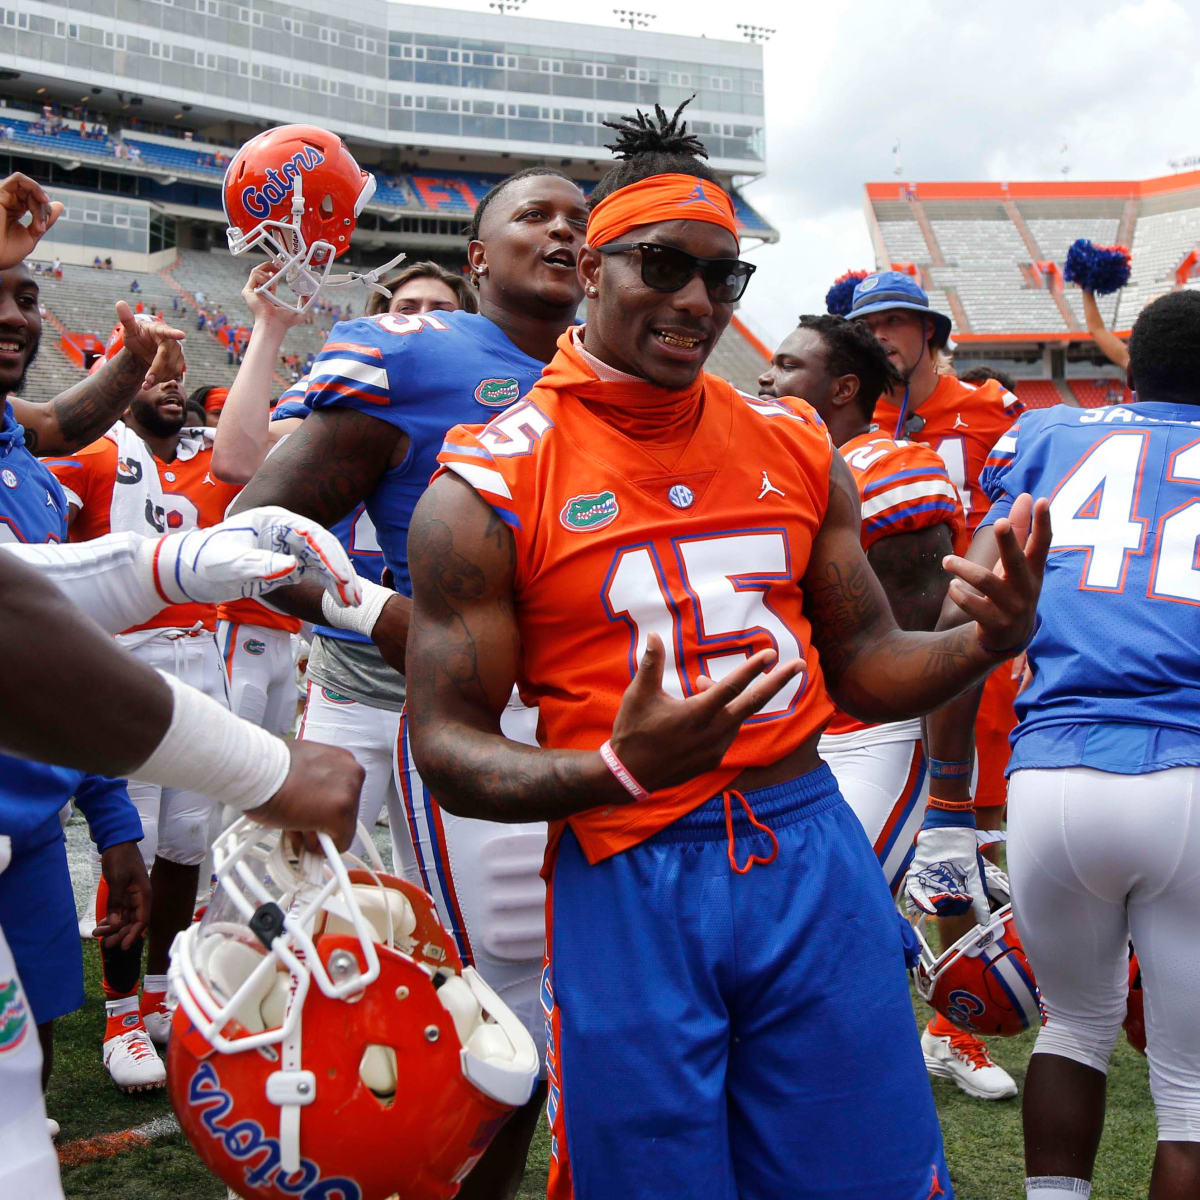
{"x": 980, "y": 93}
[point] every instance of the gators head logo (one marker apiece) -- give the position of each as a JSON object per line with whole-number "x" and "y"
{"x": 589, "y": 512}
{"x": 498, "y": 393}
{"x": 254, "y": 646}
{"x": 14, "y": 1016}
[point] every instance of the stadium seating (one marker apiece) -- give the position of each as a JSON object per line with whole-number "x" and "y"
{"x": 1097, "y": 393}
{"x": 1038, "y": 393}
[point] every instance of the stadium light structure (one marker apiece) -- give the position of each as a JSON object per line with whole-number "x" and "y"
{"x": 757, "y": 33}
{"x": 504, "y": 7}
{"x": 634, "y": 18}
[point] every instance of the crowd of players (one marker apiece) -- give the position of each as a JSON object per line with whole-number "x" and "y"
{"x": 665, "y": 646}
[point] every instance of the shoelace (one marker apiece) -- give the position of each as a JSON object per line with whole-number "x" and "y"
{"x": 970, "y": 1048}
{"x": 139, "y": 1045}
{"x": 754, "y": 859}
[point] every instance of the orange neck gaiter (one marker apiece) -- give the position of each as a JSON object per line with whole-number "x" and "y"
{"x": 640, "y": 410}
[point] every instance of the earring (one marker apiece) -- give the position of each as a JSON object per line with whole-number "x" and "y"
{"x": 593, "y": 290}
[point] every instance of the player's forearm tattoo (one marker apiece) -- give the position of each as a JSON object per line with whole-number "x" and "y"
{"x": 89, "y": 409}
{"x": 446, "y": 581}
{"x": 327, "y": 467}
{"x": 845, "y": 604}
{"x": 909, "y": 566}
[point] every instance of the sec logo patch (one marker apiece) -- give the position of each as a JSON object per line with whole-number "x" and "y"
{"x": 9, "y": 477}
{"x": 498, "y": 393}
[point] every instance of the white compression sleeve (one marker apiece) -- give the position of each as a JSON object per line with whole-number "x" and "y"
{"x": 207, "y": 749}
{"x": 361, "y": 618}
{"x": 106, "y": 577}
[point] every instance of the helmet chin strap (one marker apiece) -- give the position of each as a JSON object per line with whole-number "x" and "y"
{"x": 903, "y": 417}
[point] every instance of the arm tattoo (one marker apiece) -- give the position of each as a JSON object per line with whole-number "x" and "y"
{"x": 447, "y": 582}
{"x": 844, "y": 603}
{"x": 88, "y": 410}
{"x": 330, "y": 464}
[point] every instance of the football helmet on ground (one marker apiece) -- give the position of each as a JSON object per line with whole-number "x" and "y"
{"x": 329, "y": 1043}
{"x": 983, "y": 983}
{"x": 296, "y": 193}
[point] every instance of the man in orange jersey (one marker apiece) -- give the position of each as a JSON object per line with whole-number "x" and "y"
{"x": 150, "y": 475}
{"x": 634, "y": 544}
{"x": 962, "y": 422}
{"x": 911, "y": 519}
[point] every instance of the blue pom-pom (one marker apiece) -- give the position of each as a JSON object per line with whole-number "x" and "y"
{"x": 1098, "y": 269}
{"x": 839, "y": 297}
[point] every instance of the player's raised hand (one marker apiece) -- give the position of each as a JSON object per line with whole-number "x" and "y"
{"x": 248, "y": 555}
{"x": 319, "y": 795}
{"x": 27, "y": 213}
{"x": 663, "y": 741}
{"x": 257, "y": 295}
{"x": 155, "y": 344}
{"x": 1003, "y": 601}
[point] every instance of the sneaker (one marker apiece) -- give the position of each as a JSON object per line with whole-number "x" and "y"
{"x": 158, "y": 1025}
{"x": 52, "y": 1128}
{"x": 133, "y": 1062}
{"x": 963, "y": 1057}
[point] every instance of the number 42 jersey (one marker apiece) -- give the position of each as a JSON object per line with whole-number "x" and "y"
{"x": 613, "y": 544}
{"x": 1116, "y": 653}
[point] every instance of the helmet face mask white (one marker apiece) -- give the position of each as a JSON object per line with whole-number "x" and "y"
{"x": 327, "y": 1003}
{"x": 263, "y": 195}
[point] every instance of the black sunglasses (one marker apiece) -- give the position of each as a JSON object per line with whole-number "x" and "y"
{"x": 667, "y": 269}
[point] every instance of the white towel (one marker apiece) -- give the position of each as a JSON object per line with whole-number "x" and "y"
{"x": 137, "y": 502}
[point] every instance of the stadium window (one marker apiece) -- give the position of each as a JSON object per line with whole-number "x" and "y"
{"x": 327, "y": 35}
{"x": 550, "y": 66}
{"x": 256, "y": 18}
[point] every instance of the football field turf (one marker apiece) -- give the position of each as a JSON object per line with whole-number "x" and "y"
{"x": 983, "y": 1140}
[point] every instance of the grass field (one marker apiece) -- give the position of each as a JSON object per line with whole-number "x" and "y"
{"x": 983, "y": 1140}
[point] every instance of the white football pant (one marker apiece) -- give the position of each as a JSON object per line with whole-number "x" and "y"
{"x": 485, "y": 877}
{"x": 370, "y": 735}
{"x": 175, "y": 823}
{"x": 1095, "y": 860}
{"x": 28, "y": 1161}
{"x": 260, "y": 666}
{"x": 881, "y": 773}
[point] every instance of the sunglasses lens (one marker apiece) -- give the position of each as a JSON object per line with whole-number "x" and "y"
{"x": 666, "y": 269}
{"x": 725, "y": 280}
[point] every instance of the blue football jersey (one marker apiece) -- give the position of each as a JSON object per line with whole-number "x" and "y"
{"x": 33, "y": 509}
{"x": 424, "y": 374}
{"x": 1116, "y": 653}
{"x": 355, "y": 530}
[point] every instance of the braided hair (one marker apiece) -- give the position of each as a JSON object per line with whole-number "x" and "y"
{"x": 649, "y": 145}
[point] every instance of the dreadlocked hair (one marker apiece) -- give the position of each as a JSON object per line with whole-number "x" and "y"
{"x": 481, "y": 207}
{"x": 652, "y": 145}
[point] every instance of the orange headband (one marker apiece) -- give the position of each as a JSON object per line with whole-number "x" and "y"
{"x": 659, "y": 198}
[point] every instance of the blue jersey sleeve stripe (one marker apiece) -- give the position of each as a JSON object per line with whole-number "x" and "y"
{"x": 467, "y": 451}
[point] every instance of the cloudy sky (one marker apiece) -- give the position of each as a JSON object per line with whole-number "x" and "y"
{"x": 969, "y": 91}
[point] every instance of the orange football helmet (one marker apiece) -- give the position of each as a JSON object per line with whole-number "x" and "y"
{"x": 296, "y": 193}
{"x": 984, "y": 982}
{"x": 329, "y": 1044}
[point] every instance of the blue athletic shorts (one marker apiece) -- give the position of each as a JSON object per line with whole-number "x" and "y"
{"x": 736, "y": 1037}
{"x": 37, "y": 913}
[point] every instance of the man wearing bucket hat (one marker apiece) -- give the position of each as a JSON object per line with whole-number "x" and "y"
{"x": 962, "y": 422}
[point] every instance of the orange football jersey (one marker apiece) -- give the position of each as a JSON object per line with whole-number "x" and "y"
{"x": 903, "y": 487}
{"x": 962, "y": 423}
{"x": 252, "y": 612}
{"x": 612, "y": 544}
{"x": 193, "y": 498}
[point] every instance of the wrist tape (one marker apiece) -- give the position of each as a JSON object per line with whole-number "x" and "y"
{"x": 363, "y": 618}
{"x": 207, "y": 749}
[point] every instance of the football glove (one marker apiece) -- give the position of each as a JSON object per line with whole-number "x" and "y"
{"x": 944, "y": 879}
{"x": 247, "y": 556}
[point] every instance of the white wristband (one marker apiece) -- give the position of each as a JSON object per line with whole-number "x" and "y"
{"x": 207, "y": 749}
{"x": 363, "y": 617}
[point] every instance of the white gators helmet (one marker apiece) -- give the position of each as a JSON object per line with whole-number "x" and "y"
{"x": 328, "y": 1040}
